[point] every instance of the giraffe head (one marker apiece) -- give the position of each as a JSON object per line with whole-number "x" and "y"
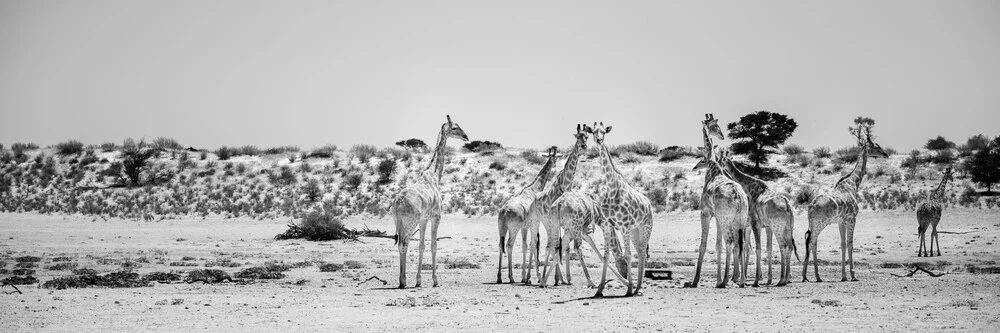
{"x": 581, "y": 137}
{"x": 864, "y": 136}
{"x": 947, "y": 175}
{"x": 712, "y": 126}
{"x": 599, "y": 131}
{"x": 452, "y": 130}
{"x": 704, "y": 161}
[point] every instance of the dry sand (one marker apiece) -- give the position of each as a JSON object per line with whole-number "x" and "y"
{"x": 468, "y": 299}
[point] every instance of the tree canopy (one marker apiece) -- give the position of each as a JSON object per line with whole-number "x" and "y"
{"x": 939, "y": 143}
{"x": 760, "y": 133}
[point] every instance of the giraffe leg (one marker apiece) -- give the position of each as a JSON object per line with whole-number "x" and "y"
{"x": 628, "y": 261}
{"x": 850, "y": 248}
{"x": 706, "y": 218}
{"x": 597, "y": 252}
{"x": 420, "y": 256}
{"x": 770, "y": 254}
{"x": 805, "y": 263}
{"x": 524, "y": 255}
{"x": 566, "y": 251}
{"x": 434, "y": 247}
{"x": 640, "y": 238}
{"x": 724, "y": 277}
{"x": 586, "y": 272}
{"x": 721, "y": 279}
{"x": 843, "y": 250}
{"x": 920, "y": 248}
{"x": 543, "y": 279}
{"x": 510, "y": 253}
{"x": 756, "y": 236}
{"x": 604, "y": 270}
{"x": 934, "y": 236}
{"x": 402, "y": 261}
{"x": 503, "y": 245}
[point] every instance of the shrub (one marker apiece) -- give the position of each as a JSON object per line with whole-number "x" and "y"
{"x": 224, "y": 153}
{"x": 353, "y": 181}
{"x": 397, "y": 154}
{"x": 326, "y": 151}
{"x": 317, "y": 226}
{"x": 281, "y": 150}
{"x": 414, "y": 144}
{"x": 848, "y": 154}
{"x": 166, "y": 143}
{"x": 822, "y": 152}
{"x": 162, "y": 277}
{"x": 658, "y": 196}
{"x": 532, "y": 157}
{"x": 481, "y": 146}
{"x": 283, "y": 177}
{"x": 912, "y": 161}
{"x": 498, "y": 165}
{"x": 248, "y": 150}
{"x": 364, "y": 152}
{"x": 385, "y": 170}
{"x": 262, "y": 272}
{"x": 793, "y": 149}
{"x": 71, "y": 147}
{"x": 135, "y": 162}
{"x": 121, "y": 279}
{"x": 63, "y": 266}
{"x": 207, "y": 276}
{"x": 353, "y": 264}
{"x": 20, "y": 280}
{"x": 312, "y": 190}
{"x": 28, "y": 259}
{"x": 669, "y": 155}
{"x": 330, "y": 267}
{"x": 630, "y": 158}
{"x": 939, "y": 143}
{"x": 644, "y": 148}
{"x": 804, "y": 196}
{"x": 20, "y": 147}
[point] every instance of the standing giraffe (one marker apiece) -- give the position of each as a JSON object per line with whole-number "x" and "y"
{"x": 840, "y": 205}
{"x": 623, "y": 209}
{"x": 575, "y": 212}
{"x": 540, "y": 211}
{"x": 929, "y": 213}
{"x": 420, "y": 202}
{"x": 723, "y": 199}
{"x": 768, "y": 209}
{"x": 512, "y": 216}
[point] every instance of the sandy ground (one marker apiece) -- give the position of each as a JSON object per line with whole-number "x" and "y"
{"x": 469, "y": 299}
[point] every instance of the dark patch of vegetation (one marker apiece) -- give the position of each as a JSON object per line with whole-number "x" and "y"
{"x": 939, "y": 143}
{"x": 312, "y": 190}
{"x": 323, "y": 226}
{"x": 533, "y": 157}
{"x": 266, "y": 272}
{"x": 166, "y": 143}
{"x": 283, "y": 177}
{"x": 822, "y": 152}
{"x": 364, "y": 152}
{"x": 353, "y": 264}
{"x": 28, "y": 259}
{"x": 982, "y": 269}
{"x": 498, "y": 165}
{"x": 385, "y": 169}
{"x": 412, "y": 144}
{"x": 461, "y": 264}
{"x": 984, "y": 167}
{"x": 482, "y": 146}
{"x": 804, "y": 196}
{"x": 121, "y": 279}
{"x": 23, "y": 271}
{"x": 281, "y": 150}
{"x": 330, "y": 267}
{"x": 326, "y": 151}
{"x": 20, "y": 280}
{"x": 760, "y": 134}
{"x": 209, "y": 276}
{"x": 63, "y": 266}
{"x": 162, "y": 277}
{"x": 71, "y": 147}
{"x": 353, "y": 181}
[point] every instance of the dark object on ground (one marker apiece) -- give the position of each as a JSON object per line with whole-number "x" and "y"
{"x": 920, "y": 269}
{"x": 122, "y": 279}
{"x": 317, "y": 226}
{"x": 373, "y": 278}
{"x": 12, "y": 286}
{"x": 268, "y": 271}
{"x": 20, "y": 280}
{"x": 162, "y": 277}
{"x": 659, "y": 274}
{"x": 209, "y": 276}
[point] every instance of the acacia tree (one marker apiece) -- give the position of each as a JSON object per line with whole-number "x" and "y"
{"x": 984, "y": 166}
{"x": 413, "y": 144}
{"x": 939, "y": 143}
{"x": 760, "y": 133}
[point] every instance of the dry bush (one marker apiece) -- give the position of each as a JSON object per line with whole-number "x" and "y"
{"x": 162, "y": 277}
{"x": 353, "y": 181}
{"x": 330, "y": 267}
{"x": 498, "y": 165}
{"x": 20, "y": 280}
{"x": 793, "y": 149}
{"x": 267, "y": 272}
{"x": 385, "y": 169}
{"x": 281, "y": 150}
{"x": 533, "y": 157}
{"x": 166, "y": 143}
{"x": 353, "y": 264}
{"x": 121, "y": 279}
{"x": 848, "y": 154}
{"x": 207, "y": 276}
{"x": 364, "y": 152}
{"x": 71, "y": 147}
{"x": 822, "y": 152}
{"x": 63, "y": 266}
{"x": 630, "y": 158}
{"x": 28, "y": 259}
{"x": 643, "y": 148}
{"x": 326, "y": 151}
{"x": 805, "y": 195}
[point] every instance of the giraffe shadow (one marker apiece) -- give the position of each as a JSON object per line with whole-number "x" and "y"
{"x": 590, "y": 298}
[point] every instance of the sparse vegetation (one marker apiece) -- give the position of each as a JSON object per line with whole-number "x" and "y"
{"x": 482, "y": 146}
{"x": 364, "y": 152}
{"x": 793, "y": 149}
{"x": 642, "y": 148}
{"x": 71, "y": 147}
{"x": 822, "y": 152}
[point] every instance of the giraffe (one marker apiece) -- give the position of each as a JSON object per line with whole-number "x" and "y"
{"x": 575, "y": 213}
{"x": 512, "y": 216}
{"x": 840, "y": 205}
{"x": 623, "y": 209}
{"x": 929, "y": 213}
{"x": 768, "y": 209}
{"x": 540, "y": 210}
{"x": 420, "y": 202}
{"x": 723, "y": 199}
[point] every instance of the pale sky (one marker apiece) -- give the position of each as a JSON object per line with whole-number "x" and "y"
{"x": 212, "y": 73}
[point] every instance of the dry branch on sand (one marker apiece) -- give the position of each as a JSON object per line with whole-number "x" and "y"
{"x": 319, "y": 226}
{"x": 918, "y": 268}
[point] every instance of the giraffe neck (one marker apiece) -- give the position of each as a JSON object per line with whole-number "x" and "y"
{"x": 714, "y": 170}
{"x": 753, "y": 186}
{"x": 708, "y": 140}
{"x": 543, "y": 175}
{"x": 437, "y": 160}
{"x": 564, "y": 182}
{"x": 852, "y": 181}
{"x": 611, "y": 177}
{"x": 938, "y": 193}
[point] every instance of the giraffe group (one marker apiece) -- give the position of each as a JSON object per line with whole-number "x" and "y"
{"x": 570, "y": 213}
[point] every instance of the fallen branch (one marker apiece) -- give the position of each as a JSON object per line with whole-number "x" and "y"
{"x": 954, "y": 232}
{"x": 12, "y": 286}
{"x": 919, "y": 269}
{"x": 373, "y": 278}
